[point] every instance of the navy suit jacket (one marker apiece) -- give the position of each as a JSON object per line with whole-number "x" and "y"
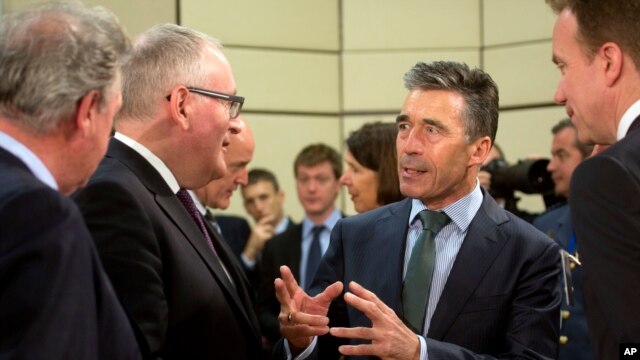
{"x": 556, "y": 223}
{"x": 163, "y": 270}
{"x": 501, "y": 299}
{"x": 605, "y": 209}
{"x": 56, "y": 301}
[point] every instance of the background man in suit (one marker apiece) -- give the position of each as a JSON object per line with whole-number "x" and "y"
{"x": 495, "y": 288}
{"x": 596, "y": 48}
{"x": 566, "y": 153}
{"x": 56, "y": 302}
{"x": 217, "y": 195}
{"x": 182, "y": 288}
{"x": 263, "y": 200}
{"x": 317, "y": 169}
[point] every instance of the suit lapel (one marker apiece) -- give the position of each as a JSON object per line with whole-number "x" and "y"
{"x": 479, "y": 250}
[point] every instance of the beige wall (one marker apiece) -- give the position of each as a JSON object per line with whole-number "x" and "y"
{"x": 315, "y": 70}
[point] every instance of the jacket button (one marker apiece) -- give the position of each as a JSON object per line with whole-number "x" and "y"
{"x": 565, "y": 314}
{"x": 572, "y": 265}
{"x": 564, "y": 340}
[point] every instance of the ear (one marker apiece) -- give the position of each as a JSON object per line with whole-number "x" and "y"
{"x": 479, "y": 151}
{"x": 612, "y": 57}
{"x": 86, "y": 114}
{"x": 180, "y": 107}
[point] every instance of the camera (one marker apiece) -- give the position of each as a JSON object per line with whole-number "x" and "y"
{"x": 528, "y": 176}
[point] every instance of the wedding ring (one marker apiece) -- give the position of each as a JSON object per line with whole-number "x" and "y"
{"x": 290, "y": 317}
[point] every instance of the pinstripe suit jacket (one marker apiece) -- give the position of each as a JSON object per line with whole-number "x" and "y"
{"x": 502, "y": 297}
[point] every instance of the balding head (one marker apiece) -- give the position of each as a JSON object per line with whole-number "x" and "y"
{"x": 217, "y": 194}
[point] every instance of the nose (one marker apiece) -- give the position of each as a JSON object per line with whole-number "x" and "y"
{"x": 243, "y": 178}
{"x": 236, "y": 125}
{"x": 558, "y": 96}
{"x": 345, "y": 179}
{"x": 551, "y": 166}
{"x": 411, "y": 144}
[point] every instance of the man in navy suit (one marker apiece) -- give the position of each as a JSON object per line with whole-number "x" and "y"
{"x": 596, "y": 48}
{"x": 566, "y": 154}
{"x": 56, "y": 301}
{"x": 181, "y": 286}
{"x": 495, "y": 288}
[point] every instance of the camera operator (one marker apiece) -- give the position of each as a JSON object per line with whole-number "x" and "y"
{"x": 566, "y": 153}
{"x": 501, "y": 180}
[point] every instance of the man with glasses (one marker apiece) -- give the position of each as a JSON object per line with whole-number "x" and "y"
{"x": 182, "y": 287}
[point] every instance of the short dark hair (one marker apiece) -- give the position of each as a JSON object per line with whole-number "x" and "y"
{"x": 259, "y": 174}
{"x": 315, "y": 154}
{"x": 605, "y": 20}
{"x": 480, "y": 92}
{"x": 585, "y": 150}
{"x": 374, "y": 146}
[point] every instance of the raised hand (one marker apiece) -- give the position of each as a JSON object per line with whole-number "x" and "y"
{"x": 390, "y": 337}
{"x": 302, "y": 317}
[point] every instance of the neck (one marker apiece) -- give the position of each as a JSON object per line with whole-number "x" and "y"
{"x": 320, "y": 218}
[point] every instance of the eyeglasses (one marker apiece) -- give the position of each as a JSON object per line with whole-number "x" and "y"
{"x": 235, "y": 101}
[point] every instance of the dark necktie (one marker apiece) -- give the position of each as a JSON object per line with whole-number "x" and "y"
{"x": 314, "y": 256}
{"x": 417, "y": 281}
{"x": 188, "y": 203}
{"x": 214, "y": 224}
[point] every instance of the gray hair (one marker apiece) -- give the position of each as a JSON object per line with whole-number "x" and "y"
{"x": 480, "y": 117}
{"x": 163, "y": 57}
{"x": 51, "y": 55}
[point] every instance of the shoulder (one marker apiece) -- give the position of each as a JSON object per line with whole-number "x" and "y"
{"x": 231, "y": 220}
{"x": 292, "y": 235}
{"x": 552, "y": 214}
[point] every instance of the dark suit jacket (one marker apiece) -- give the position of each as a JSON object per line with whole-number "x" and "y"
{"x": 56, "y": 302}
{"x": 166, "y": 275}
{"x": 502, "y": 297}
{"x": 605, "y": 209}
{"x": 282, "y": 249}
{"x": 235, "y": 230}
{"x": 556, "y": 223}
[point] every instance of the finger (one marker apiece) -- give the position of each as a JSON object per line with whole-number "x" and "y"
{"x": 289, "y": 280}
{"x": 302, "y": 318}
{"x": 363, "y": 333}
{"x": 365, "y": 294}
{"x": 283, "y": 296}
{"x": 331, "y": 292}
{"x": 369, "y": 308}
{"x": 360, "y": 350}
{"x": 302, "y": 330}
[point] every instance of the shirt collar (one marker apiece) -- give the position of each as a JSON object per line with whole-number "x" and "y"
{"x": 31, "y": 160}
{"x": 198, "y": 202}
{"x": 307, "y": 224}
{"x": 627, "y": 119}
{"x": 460, "y": 212}
{"x": 155, "y": 161}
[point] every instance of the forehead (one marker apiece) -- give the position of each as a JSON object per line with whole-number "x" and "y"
{"x": 564, "y": 36}
{"x": 434, "y": 104}
{"x": 260, "y": 187}
{"x": 323, "y": 168}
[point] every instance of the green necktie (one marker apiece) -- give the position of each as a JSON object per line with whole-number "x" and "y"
{"x": 417, "y": 281}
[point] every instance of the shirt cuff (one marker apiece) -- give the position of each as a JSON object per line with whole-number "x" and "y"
{"x": 423, "y": 348}
{"x": 249, "y": 264}
{"x": 303, "y": 355}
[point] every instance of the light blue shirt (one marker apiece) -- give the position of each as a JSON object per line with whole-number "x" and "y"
{"x": 448, "y": 243}
{"x": 307, "y": 237}
{"x": 31, "y": 160}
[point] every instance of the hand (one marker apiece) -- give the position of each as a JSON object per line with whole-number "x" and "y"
{"x": 260, "y": 234}
{"x": 302, "y": 317}
{"x": 390, "y": 337}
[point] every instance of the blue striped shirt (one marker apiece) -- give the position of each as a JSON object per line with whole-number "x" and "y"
{"x": 448, "y": 243}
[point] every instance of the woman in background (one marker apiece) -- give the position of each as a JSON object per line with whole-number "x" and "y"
{"x": 371, "y": 175}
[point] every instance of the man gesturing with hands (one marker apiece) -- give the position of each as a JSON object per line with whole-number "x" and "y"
{"x": 445, "y": 273}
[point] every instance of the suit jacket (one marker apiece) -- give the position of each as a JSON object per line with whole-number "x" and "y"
{"x": 56, "y": 302}
{"x": 574, "y": 334}
{"x": 605, "y": 209}
{"x": 282, "y": 249}
{"x": 168, "y": 278}
{"x": 235, "y": 230}
{"x": 502, "y": 297}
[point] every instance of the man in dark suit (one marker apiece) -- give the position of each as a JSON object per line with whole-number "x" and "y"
{"x": 566, "y": 154}
{"x": 317, "y": 169}
{"x": 595, "y": 46}
{"x": 56, "y": 301}
{"x": 182, "y": 288}
{"x": 446, "y": 273}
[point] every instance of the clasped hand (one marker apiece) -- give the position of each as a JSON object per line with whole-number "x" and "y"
{"x": 302, "y": 317}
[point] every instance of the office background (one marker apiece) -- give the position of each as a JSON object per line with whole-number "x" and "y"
{"x": 314, "y": 70}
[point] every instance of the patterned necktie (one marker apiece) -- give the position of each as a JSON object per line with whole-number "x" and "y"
{"x": 187, "y": 201}
{"x": 314, "y": 256}
{"x": 417, "y": 281}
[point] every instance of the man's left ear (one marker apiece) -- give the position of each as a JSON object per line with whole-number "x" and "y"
{"x": 612, "y": 57}
{"x": 480, "y": 150}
